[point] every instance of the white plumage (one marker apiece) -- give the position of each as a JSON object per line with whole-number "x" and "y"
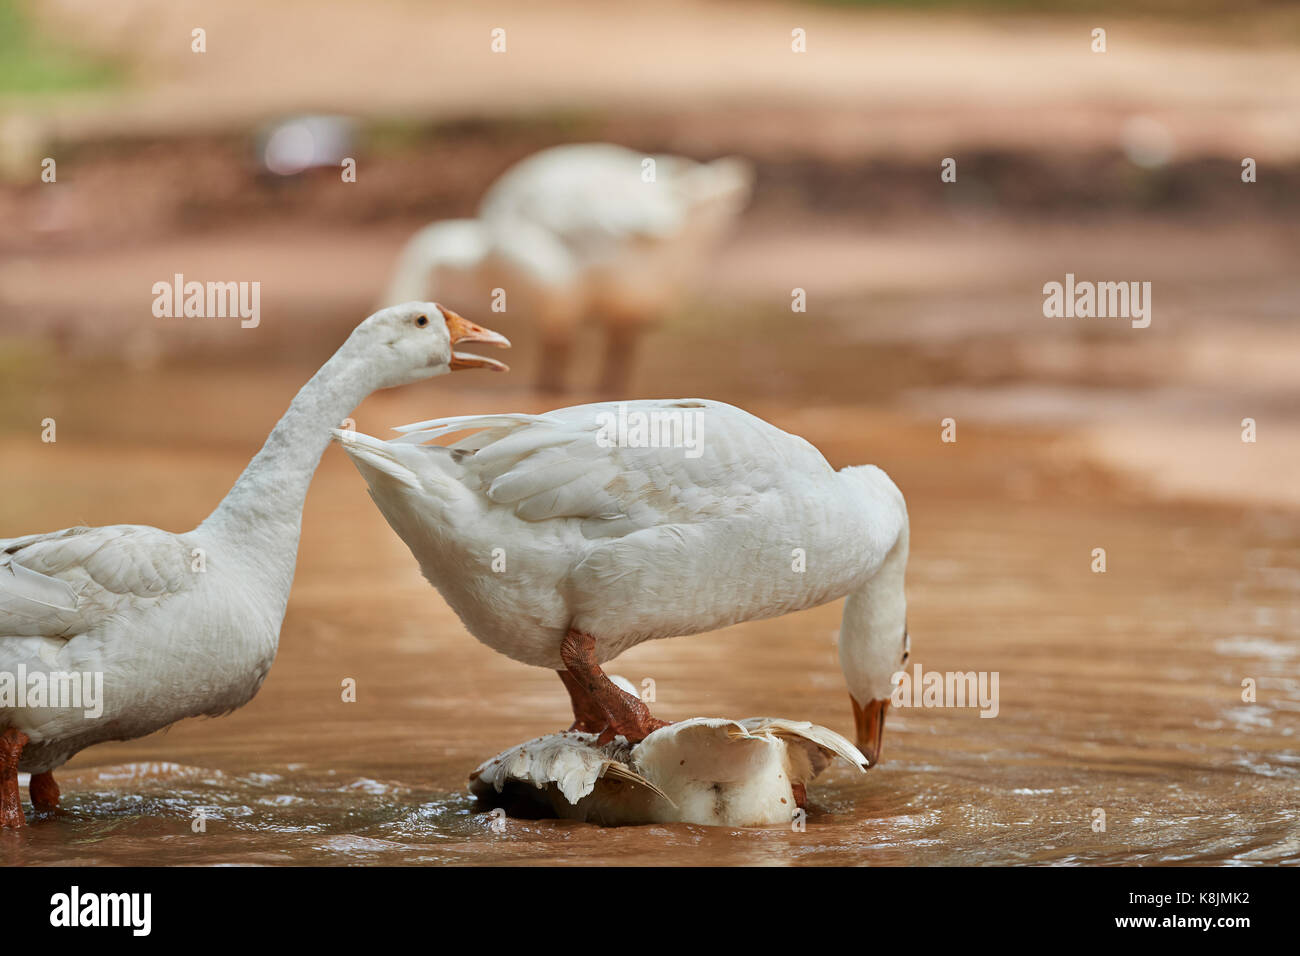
{"x": 182, "y": 625}
{"x": 577, "y": 232}
{"x": 629, "y": 544}
{"x": 705, "y": 770}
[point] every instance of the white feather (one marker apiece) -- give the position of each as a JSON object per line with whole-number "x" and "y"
{"x": 708, "y": 771}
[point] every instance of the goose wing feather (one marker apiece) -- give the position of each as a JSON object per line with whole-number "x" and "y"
{"x": 66, "y": 582}
{"x": 560, "y": 466}
{"x": 573, "y": 763}
{"x": 819, "y": 744}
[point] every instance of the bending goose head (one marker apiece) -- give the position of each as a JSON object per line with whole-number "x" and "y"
{"x": 417, "y": 340}
{"x": 874, "y": 642}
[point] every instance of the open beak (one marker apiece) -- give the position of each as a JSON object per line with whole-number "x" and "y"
{"x": 462, "y": 329}
{"x": 870, "y": 723}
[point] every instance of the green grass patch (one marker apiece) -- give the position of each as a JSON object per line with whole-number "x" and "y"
{"x": 34, "y": 63}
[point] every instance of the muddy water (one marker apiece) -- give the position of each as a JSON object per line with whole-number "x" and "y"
{"x": 1119, "y": 692}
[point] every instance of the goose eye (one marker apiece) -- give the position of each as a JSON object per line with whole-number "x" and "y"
{"x": 422, "y": 321}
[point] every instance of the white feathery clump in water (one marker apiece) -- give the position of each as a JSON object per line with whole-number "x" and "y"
{"x": 706, "y": 770}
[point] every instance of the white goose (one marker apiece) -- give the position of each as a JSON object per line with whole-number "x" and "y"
{"x": 577, "y": 231}
{"x": 706, "y": 770}
{"x": 182, "y": 625}
{"x": 607, "y": 542}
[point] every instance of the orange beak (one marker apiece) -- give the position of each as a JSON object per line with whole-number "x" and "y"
{"x": 870, "y": 723}
{"x": 461, "y": 329}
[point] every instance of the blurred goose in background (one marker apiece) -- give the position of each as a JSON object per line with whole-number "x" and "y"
{"x": 610, "y": 539}
{"x": 183, "y": 625}
{"x": 710, "y": 771}
{"x": 580, "y": 233}
{"x": 466, "y": 259}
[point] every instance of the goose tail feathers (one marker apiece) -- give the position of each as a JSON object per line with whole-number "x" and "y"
{"x": 375, "y": 458}
{"x": 437, "y": 427}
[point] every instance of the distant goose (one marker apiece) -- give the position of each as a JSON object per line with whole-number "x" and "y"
{"x": 182, "y": 625}
{"x": 577, "y": 231}
{"x": 709, "y": 771}
{"x": 464, "y": 260}
{"x": 560, "y": 547}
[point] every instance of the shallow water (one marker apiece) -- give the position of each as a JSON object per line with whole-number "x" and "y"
{"x": 1119, "y": 692}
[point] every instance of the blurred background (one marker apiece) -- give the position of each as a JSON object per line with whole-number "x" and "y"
{"x": 924, "y": 302}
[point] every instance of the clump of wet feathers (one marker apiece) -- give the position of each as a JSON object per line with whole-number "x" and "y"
{"x": 709, "y": 771}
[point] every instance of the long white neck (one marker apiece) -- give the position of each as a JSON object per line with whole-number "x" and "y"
{"x": 875, "y": 616}
{"x": 260, "y": 519}
{"x": 413, "y": 276}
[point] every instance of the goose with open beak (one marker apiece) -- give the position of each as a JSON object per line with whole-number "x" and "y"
{"x": 461, "y": 329}
{"x": 128, "y": 604}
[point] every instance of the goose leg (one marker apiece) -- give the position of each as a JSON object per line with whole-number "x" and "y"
{"x": 620, "y": 356}
{"x": 587, "y": 715}
{"x": 554, "y": 365}
{"x": 44, "y": 791}
{"x": 12, "y": 743}
{"x": 624, "y": 714}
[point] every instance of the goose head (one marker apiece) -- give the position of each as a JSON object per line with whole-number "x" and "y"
{"x": 874, "y": 643}
{"x": 417, "y": 340}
